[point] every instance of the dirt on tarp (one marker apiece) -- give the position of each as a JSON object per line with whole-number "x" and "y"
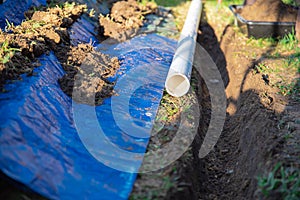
{"x": 86, "y": 75}
{"x": 270, "y": 11}
{"x": 43, "y": 30}
{"x": 125, "y": 19}
{"x": 46, "y": 30}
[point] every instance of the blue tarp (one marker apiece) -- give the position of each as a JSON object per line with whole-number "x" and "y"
{"x": 65, "y": 150}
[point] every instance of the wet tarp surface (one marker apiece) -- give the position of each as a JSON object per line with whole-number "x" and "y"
{"x": 65, "y": 150}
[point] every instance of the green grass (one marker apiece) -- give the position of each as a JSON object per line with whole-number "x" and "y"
{"x": 289, "y": 89}
{"x": 281, "y": 181}
{"x": 6, "y": 52}
{"x": 293, "y": 61}
{"x": 261, "y": 42}
{"x": 171, "y": 105}
{"x": 9, "y": 26}
{"x": 289, "y": 41}
{"x": 290, "y": 2}
{"x": 263, "y": 68}
{"x": 144, "y": 2}
{"x": 169, "y": 3}
{"x": 230, "y": 2}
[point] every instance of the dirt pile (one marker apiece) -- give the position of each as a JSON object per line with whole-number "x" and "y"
{"x": 125, "y": 19}
{"x": 43, "y": 31}
{"x": 46, "y": 30}
{"x": 86, "y": 75}
{"x": 271, "y": 11}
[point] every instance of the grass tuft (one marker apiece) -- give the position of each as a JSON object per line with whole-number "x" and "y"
{"x": 6, "y": 52}
{"x": 281, "y": 181}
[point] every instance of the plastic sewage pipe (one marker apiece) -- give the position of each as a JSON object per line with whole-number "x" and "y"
{"x": 178, "y": 79}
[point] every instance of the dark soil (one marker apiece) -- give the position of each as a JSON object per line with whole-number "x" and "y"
{"x": 269, "y": 10}
{"x": 125, "y": 19}
{"x": 86, "y": 75}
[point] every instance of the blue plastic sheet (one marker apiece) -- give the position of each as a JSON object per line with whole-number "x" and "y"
{"x": 54, "y": 145}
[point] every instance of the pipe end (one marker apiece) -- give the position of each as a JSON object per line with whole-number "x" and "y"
{"x": 177, "y": 85}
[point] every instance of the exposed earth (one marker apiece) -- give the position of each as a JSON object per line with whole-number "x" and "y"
{"x": 262, "y": 126}
{"x": 261, "y": 135}
{"x": 272, "y": 10}
{"x": 125, "y": 19}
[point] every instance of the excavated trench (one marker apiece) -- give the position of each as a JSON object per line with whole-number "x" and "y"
{"x": 251, "y": 143}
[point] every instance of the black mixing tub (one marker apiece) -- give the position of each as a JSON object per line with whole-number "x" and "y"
{"x": 261, "y": 29}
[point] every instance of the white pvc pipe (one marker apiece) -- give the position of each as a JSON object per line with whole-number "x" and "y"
{"x": 178, "y": 79}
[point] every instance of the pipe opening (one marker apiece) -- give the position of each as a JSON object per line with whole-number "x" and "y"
{"x": 177, "y": 85}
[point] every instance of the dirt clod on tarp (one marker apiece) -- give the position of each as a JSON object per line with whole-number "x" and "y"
{"x": 46, "y": 30}
{"x": 125, "y": 19}
{"x": 86, "y": 75}
{"x": 271, "y": 11}
{"x": 42, "y": 32}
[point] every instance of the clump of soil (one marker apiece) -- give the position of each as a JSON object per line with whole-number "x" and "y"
{"x": 271, "y": 11}
{"x": 125, "y": 19}
{"x": 46, "y": 29}
{"x": 43, "y": 30}
{"x": 86, "y": 75}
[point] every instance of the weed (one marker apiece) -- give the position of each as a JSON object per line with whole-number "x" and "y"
{"x": 290, "y": 2}
{"x": 171, "y": 104}
{"x": 282, "y": 181}
{"x": 289, "y": 41}
{"x": 69, "y": 5}
{"x": 261, "y": 42}
{"x": 145, "y": 2}
{"x": 230, "y": 2}
{"x": 262, "y": 68}
{"x": 293, "y": 61}
{"x": 170, "y": 3}
{"x": 6, "y": 52}
{"x": 92, "y": 13}
{"x": 287, "y": 136}
{"x": 281, "y": 124}
{"x": 9, "y": 26}
{"x": 292, "y": 88}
